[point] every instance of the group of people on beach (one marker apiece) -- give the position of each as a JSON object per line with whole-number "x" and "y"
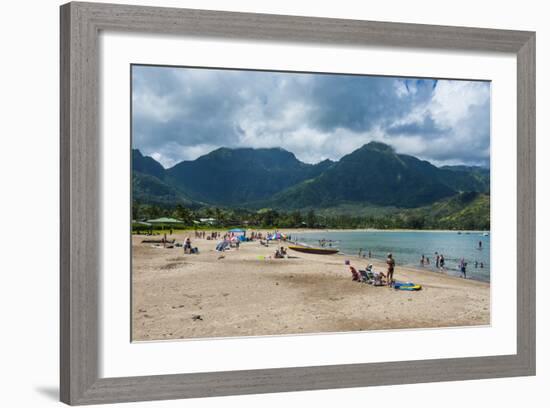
{"x": 372, "y": 276}
{"x": 207, "y": 235}
{"x": 363, "y": 254}
{"x": 280, "y": 253}
{"x": 440, "y": 263}
{"x": 325, "y": 242}
{"x": 463, "y": 264}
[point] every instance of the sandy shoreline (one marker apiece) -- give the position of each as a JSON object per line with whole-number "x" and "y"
{"x": 246, "y": 293}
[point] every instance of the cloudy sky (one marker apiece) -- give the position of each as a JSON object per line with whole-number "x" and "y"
{"x": 183, "y": 113}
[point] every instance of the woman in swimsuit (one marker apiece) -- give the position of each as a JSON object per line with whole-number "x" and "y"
{"x": 391, "y": 266}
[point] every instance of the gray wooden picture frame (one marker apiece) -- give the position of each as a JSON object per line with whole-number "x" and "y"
{"x": 80, "y": 191}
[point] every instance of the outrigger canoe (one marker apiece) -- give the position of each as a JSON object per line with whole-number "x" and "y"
{"x": 313, "y": 250}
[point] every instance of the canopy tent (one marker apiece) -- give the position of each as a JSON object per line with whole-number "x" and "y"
{"x": 141, "y": 223}
{"x": 238, "y": 233}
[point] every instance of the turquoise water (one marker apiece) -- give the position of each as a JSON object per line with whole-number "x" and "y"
{"x": 409, "y": 246}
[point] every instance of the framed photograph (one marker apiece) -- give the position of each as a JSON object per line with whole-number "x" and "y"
{"x": 261, "y": 203}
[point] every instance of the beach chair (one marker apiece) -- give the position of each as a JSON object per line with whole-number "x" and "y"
{"x": 377, "y": 279}
{"x": 366, "y": 276}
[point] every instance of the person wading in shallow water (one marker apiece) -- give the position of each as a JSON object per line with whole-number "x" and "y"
{"x": 391, "y": 266}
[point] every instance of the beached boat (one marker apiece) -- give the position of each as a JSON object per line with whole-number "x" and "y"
{"x": 313, "y": 250}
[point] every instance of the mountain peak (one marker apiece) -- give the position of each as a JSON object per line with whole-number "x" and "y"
{"x": 269, "y": 155}
{"x": 379, "y": 146}
{"x": 146, "y": 164}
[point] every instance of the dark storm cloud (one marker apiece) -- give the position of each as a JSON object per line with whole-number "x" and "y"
{"x": 359, "y": 103}
{"x": 181, "y": 113}
{"x": 426, "y": 127}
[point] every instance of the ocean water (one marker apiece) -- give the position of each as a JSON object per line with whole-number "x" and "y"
{"x": 409, "y": 246}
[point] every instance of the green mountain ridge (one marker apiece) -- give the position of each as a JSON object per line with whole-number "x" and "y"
{"x": 237, "y": 176}
{"x": 377, "y": 175}
{"x": 373, "y": 176}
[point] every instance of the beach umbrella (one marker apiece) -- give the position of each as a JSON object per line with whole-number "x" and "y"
{"x": 238, "y": 233}
{"x": 237, "y": 230}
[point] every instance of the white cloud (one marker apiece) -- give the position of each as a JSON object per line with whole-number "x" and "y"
{"x": 453, "y": 100}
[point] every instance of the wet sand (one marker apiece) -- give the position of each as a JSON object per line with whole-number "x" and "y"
{"x": 247, "y": 293}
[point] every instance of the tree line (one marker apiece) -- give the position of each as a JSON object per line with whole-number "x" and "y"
{"x": 272, "y": 218}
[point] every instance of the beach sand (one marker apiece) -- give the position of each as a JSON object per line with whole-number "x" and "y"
{"x": 247, "y": 294}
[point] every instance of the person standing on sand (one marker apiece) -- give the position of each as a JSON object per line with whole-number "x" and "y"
{"x": 441, "y": 262}
{"x": 462, "y": 266}
{"x": 187, "y": 245}
{"x": 391, "y": 266}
